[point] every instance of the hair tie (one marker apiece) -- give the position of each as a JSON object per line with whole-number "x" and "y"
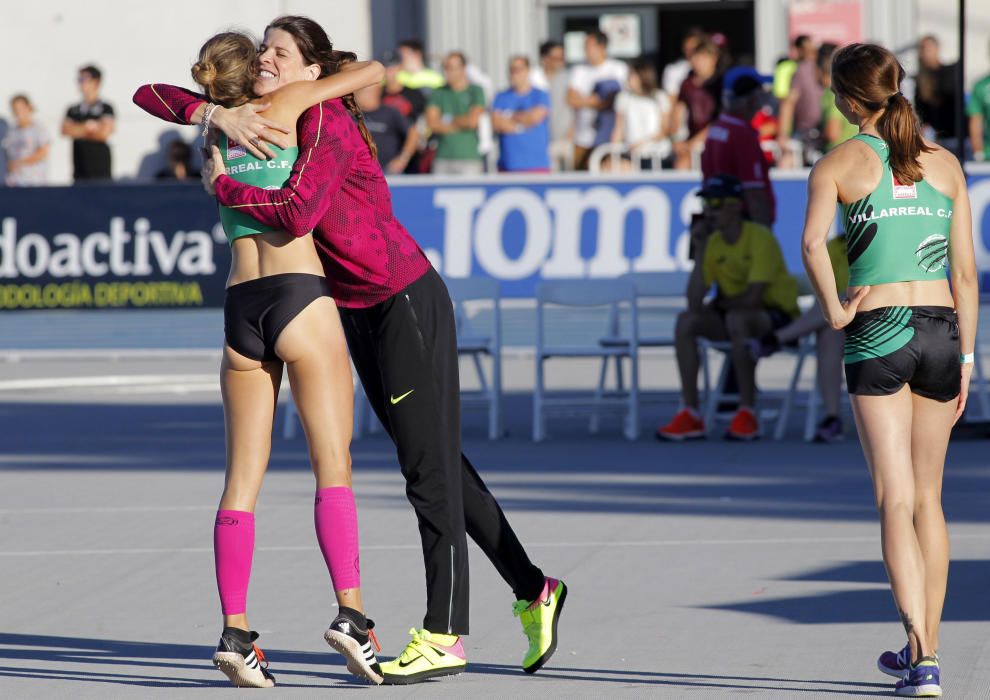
{"x": 893, "y": 97}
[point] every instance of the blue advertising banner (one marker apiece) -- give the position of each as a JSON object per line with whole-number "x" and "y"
{"x": 161, "y": 246}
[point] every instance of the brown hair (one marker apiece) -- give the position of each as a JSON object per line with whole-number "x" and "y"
{"x": 21, "y": 97}
{"x": 871, "y": 76}
{"x": 316, "y": 48}
{"x": 647, "y": 73}
{"x": 225, "y": 68}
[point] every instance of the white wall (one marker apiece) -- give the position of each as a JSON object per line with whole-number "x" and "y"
{"x": 46, "y": 41}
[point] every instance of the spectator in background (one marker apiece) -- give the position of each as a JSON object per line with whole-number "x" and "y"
{"x": 935, "y": 94}
{"x": 978, "y": 110}
{"x": 755, "y": 295}
{"x": 828, "y": 345}
{"x": 592, "y": 90}
{"x": 801, "y": 110}
{"x": 699, "y": 99}
{"x": 394, "y": 135}
{"x": 415, "y": 73}
{"x": 732, "y": 146}
{"x": 783, "y": 73}
{"x": 677, "y": 72}
{"x": 26, "y": 146}
{"x": 835, "y": 128}
{"x": 89, "y": 124}
{"x": 520, "y": 116}
{"x": 178, "y": 163}
{"x": 452, "y": 114}
{"x": 551, "y": 77}
{"x": 409, "y": 102}
{"x": 642, "y": 113}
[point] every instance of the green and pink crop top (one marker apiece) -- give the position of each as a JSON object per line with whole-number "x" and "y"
{"x": 898, "y": 232}
{"x": 266, "y": 174}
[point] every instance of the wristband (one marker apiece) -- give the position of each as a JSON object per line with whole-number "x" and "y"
{"x": 967, "y": 358}
{"x": 207, "y": 115}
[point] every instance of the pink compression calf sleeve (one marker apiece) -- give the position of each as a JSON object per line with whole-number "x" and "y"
{"x": 337, "y": 531}
{"x": 233, "y": 549}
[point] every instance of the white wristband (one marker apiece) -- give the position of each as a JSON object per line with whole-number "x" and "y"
{"x": 967, "y": 358}
{"x": 207, "y": 115}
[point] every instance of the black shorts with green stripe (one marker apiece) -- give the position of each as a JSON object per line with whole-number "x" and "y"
{"x": 891, "y": 346}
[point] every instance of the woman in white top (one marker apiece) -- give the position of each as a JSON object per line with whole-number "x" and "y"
{"x": 642, "y": 116}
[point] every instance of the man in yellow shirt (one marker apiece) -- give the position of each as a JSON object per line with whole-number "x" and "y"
{"x": 754, "y": 295}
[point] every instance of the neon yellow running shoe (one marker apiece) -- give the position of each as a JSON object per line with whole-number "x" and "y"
{"x": 426, "y": 656}
{"x": 539, "y": 621}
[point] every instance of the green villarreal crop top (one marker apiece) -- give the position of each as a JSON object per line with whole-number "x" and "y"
{"x": 897, "y": 233}
{"x": 244, "y": 167}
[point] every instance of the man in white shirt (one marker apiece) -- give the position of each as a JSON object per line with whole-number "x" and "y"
{"x": 593, "y": 88}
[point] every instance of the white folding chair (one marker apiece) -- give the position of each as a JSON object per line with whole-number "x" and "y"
{"x": 586, "y": 293}
{"x": 653, "y": 286}
{"x": 474, "y": 345}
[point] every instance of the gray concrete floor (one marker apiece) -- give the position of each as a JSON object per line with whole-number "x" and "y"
{"x": 702, "y": 570}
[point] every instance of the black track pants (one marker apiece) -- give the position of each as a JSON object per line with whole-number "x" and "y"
{"x": 405, "y": 351}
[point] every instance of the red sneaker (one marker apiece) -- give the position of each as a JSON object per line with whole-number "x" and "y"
{"x": 744, "y": 426}
{"x": 686, "y": 425}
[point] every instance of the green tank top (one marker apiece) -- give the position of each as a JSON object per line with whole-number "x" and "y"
{"x": 244, "y": 167}
{"x": 897, "y": 233}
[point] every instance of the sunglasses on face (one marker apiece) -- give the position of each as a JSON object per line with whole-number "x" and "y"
{"x": 717, "y": 202}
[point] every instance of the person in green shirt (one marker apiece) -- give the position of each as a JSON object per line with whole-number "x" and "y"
{"x": 452, "y": 114}
{"x": 755, "y": 294}
{"x": 978, "y": 111}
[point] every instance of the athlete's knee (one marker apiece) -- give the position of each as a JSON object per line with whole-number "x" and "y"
{"x": 896, "y": 505}
{"x": 927, "y": 501}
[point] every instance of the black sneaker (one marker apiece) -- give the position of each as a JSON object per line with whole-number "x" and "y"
{"x": 830, "y": 430}
{"x": 351, "y": 634}
{"x": 241, "y": 660}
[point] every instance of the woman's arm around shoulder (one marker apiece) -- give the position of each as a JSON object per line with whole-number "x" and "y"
{"x": 299, "y": 96}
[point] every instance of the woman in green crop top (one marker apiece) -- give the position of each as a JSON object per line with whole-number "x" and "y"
{"x": 278, "y": 313}
{"x": 910, "y": 336}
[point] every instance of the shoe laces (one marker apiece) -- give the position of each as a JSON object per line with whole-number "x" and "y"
{"x": 261, "y": 656}
{"x": 418, "y": 637}
{"x": 374, "y": 639}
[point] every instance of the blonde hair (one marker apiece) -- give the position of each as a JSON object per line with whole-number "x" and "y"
{"x": 225, "y": 69}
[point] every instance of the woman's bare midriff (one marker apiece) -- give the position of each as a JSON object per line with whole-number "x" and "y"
{"x": 927, "y": 293}
{"x": 274, "y": 253}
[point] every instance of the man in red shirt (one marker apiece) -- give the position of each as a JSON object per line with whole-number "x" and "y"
{"x": 732, "y": 146}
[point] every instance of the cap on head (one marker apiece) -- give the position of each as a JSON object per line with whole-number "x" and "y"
{"x": 743, "y": 80}
{"x": 722, "y": 186}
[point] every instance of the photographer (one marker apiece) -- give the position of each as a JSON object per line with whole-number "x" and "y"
{"x": 754, "y": 295}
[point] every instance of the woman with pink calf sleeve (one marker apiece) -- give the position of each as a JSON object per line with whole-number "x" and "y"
{"x": 279, "y": 315}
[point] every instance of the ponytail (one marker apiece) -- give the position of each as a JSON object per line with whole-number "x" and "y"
{"x": 899, "y": 127}
{"x": 871, "y": 76}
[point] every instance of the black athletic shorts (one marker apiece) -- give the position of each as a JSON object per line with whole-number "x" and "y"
{"x": 257, "y": 311}
{"x": 889, "y": 347}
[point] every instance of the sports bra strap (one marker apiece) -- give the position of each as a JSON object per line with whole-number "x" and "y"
{"x": 878, "y": 145}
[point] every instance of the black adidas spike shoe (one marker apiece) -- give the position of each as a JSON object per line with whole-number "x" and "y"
{"x": 352, "y": 635}
{"x": 241, "y": 660}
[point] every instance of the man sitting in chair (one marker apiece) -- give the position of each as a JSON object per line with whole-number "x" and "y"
{"x": 754, "y": 296}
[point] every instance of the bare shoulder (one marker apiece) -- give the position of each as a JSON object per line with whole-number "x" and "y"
{"x": 942, "y": 169}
